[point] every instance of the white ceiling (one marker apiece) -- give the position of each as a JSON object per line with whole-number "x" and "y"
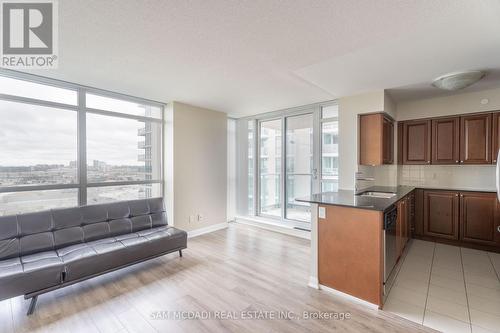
{"x": 248, "y": 57}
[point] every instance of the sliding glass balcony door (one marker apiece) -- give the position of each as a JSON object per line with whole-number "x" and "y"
{"x": 300, "y": 170}
{"x": 270, "y": 137}
{"x": 287, "y": 166}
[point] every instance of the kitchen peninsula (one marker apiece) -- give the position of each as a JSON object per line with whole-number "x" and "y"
{"x": 348, "y": 242}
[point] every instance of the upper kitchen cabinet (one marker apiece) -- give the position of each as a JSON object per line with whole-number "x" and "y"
{"x": 475, "y": 143}
{"x": 416, "y": 142}
{"x": 446, "y": 140}
{"x": 495, "y": 138}
{"x": 376, "y": 139}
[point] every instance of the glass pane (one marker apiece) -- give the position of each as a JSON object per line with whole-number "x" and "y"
{"x": 270, "y": 167}
{"x": 130, "y": 151}
{"x": 122, "y": 106}
{"x": 44, "y": 92}
{"x": 251, "y": 143}
{"x": 96, "y": 195}
{"x": 299, "y": 165}
{"x": 329, "y": 186}
{"x": 331, "y": 111}
{"x": 38, "y": 145}
{"x": 329, "y": 156}
{"x": 330, "y": 149}
{"x": 298, "y": 186}
{"x": 32, "y": 201}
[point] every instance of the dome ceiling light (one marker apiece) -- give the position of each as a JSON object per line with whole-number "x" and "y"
{"x": 457, "y": 80}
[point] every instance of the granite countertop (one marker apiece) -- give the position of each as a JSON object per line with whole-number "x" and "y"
{"x": 463, "y": 189}
{"x": 350, "y": 199}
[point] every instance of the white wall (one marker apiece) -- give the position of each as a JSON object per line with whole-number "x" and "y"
{"x": 349, "y": 109}
{"x": 198, "y": 176}
{"x": 449, "y": 105}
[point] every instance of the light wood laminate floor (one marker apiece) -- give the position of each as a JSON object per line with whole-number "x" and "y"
{"x": 241, "y": 268}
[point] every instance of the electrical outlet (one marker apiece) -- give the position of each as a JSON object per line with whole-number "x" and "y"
{"x": 192, "y": 219}
{"x": 200, "y": 217}
{"x": 322, "y": 212}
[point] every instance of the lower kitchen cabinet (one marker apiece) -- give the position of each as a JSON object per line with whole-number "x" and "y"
{"x": 441, "y": 214}
{"x": 479, "y": 218}
{"x": 404, "y": 207}
{"x": 461, "y": 218}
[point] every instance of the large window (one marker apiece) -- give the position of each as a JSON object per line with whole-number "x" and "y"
{"x": 270, "y": 167}
{"x": 289, "y": 154}
{"x": 330, "y": 148}
{"x": 63, "y": 145}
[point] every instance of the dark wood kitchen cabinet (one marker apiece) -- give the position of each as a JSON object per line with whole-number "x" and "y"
{"x": 446, "y": 140}
{"x": 417, "y": 142}
{"x": 495, "y": 137}
{"x": 400, "y": 223}
{"x": 475, "y": 139}
{"x": 376, "y": 139}
{"x": 388, "y": 141}
{"x": 419, "y": 213}
{"x": 441, "y": 214}
{"x": 400, "y": 142}
{"x": 479, "y": 218}
{"x": 403, "y": 222}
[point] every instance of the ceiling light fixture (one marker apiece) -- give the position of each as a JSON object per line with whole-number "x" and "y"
{"x": 457, "y": 80}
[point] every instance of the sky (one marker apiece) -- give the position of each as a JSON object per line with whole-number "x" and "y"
{"x": 31, "y": 134}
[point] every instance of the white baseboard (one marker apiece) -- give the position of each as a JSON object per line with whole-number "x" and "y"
{"x": 313, "y": 282}
{"x": 348, "y": 297}
{"x": 256, "y": 222}
{"x": 206, "y": 230}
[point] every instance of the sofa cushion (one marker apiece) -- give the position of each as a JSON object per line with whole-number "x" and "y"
{"x": 9, "y": 243}
{"x": 30, "y": 273}
{"x": 91, "y": 258}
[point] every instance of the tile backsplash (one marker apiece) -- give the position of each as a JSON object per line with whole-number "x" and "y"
{"x": 479, "y": 177}
{"x": 474, "y": 177}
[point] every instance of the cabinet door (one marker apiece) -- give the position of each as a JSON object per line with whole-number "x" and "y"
{"x": 446, "y": 140}
{"x": 479, "y": 218}
{"x": 408, "y": 218}
{"x": 417, "y": 142}
{"x": 371, "y": 140}
{"x": 401, "y": 220}
{"x": 400, "y": 142}
{"x": 495, "y": 138}
{"x": 441, "y": 214}
{"x": 475, "y": 139}
{"x": 388, "y": 138}
{"x": 419, "y": 212}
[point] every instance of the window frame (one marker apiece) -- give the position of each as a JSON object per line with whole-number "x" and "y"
{"x": 82, "y": 110}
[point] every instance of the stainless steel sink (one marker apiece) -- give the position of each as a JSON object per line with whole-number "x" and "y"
{"x": 372, "y": 194}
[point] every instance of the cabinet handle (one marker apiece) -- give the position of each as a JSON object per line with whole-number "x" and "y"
{"x": 461, "y": 161}
{"x": 428, "y": 162}
{"x": 456, "y": 195}
{"x": 498, "y": 228}
{"x": 456, "y": 161}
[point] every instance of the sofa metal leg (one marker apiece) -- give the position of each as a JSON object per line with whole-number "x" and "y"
{"x": 31, "y": 309}
{"x": 180, "y": 253}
